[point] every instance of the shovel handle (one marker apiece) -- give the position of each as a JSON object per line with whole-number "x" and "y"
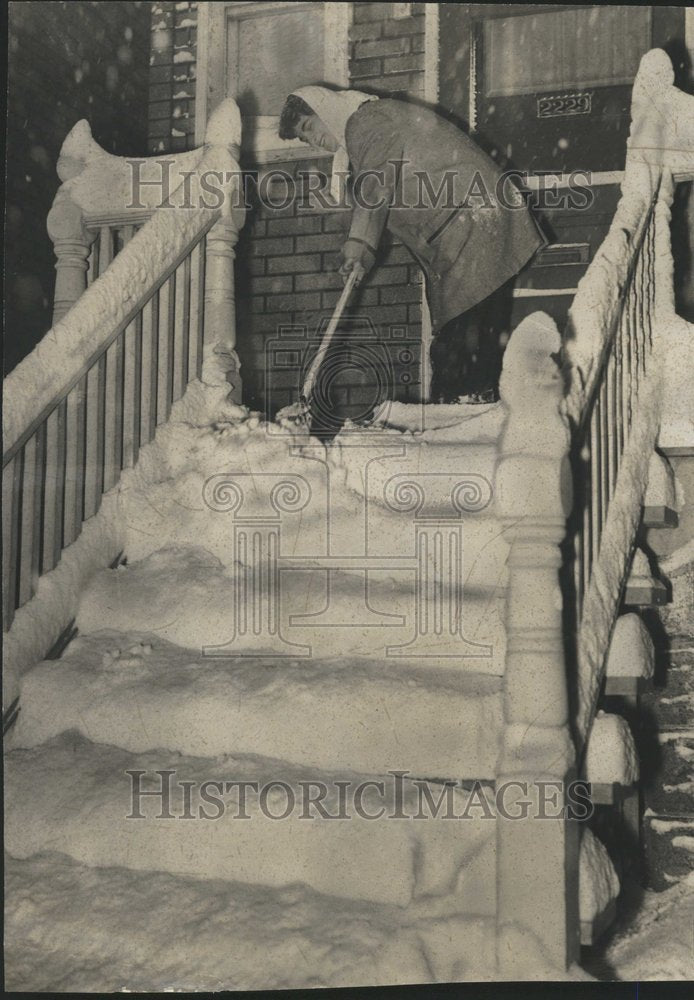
{"x": 328, "y": 336}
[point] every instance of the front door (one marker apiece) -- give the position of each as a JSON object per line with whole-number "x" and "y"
{"x": 546, "y": 89}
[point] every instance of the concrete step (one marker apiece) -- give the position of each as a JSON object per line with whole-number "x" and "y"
{"x": 349, "y": 713}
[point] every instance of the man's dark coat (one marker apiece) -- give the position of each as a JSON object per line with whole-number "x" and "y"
{"x": 471, "y": 237}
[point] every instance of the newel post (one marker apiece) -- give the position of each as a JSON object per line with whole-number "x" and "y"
{"x": 71, "y": 242}
{"x": 537, "y": 845}
{"x": 220, "y": 298}
{"x": 224, "y": 132}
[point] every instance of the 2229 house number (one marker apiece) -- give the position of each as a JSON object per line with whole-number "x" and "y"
{"x": 565, "y": 104}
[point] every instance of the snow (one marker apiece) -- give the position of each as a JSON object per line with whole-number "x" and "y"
{"x": 658, "y": 942}
{"x": 349, "y": 713}
{"x": 631, "y": 652}
{"x": 611, "y": 753}
{"x": 598, "y": 884}
{"x": 81, "y": 800}
{"x": 118, "y": 930}
{"x": 35, "y": 383}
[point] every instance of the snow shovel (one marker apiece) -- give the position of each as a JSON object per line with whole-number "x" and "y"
{"x": 301, "y": 410}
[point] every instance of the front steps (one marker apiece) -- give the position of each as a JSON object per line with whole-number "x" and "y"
{"x": 173, "y": 932}
{"x": 94, "y": 803}
{"x": 360, "y": 715}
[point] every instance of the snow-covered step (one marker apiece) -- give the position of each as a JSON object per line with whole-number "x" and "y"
{"x": 143, "y": 693}
{"x": 116, "y": 928}
{"x": 431, "y": 622}
{"x": 82, "y": 799}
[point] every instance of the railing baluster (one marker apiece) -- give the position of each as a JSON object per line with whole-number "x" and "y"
{"x": 105, "y": 248}
{"x": 73, "y": 512}
{"x": 93, "y": 263}
{"x": 124, "y": 235}
{"x": 54, "y": 489}
{"x": 181, "y": 328}
{"x": 94, "y": 450}
{"x": 197, "y": 298}
{"x": 113, "y": 415}
{"x": 56, "y": 474}
{"x": 30, "y": 531}
{"x": 595, "y": 490}
{"x": 587, "y": 544}
{"x": 611, "y": 408}
{"x": 166, "y": 351}
{"x": 148, "y": 402}
{"x": 11, "y": 511}
{"x": 132, "y": 376}
{"x": 605, "y": 444}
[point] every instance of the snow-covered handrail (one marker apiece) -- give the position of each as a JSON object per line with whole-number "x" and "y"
{"x": 78, "y": 408}
{"x": 621, "y": 326}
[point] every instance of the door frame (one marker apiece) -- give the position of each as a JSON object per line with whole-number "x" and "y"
{"x": 211, "y": 72}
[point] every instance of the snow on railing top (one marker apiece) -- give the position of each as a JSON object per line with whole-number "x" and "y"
{"x": 661, "y": 140}
{"x": 103, "y": 184}
{"x": 72, "y": 345}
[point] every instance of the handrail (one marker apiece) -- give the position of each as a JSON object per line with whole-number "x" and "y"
{"x": 91, "y": 394}
{"x": 615, "y": 348}
{"x": 108, "y": 332}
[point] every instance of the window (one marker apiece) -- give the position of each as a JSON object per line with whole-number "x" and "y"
{"x": 585, "y": 47}
{"x": 258, "y": 53}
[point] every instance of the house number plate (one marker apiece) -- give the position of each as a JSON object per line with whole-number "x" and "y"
{"x": 559, "y": 105}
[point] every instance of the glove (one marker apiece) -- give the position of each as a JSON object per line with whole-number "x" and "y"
{"x": 356, "y": 254}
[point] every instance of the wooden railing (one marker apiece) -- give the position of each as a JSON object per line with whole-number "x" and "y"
{"x": 80, "y": 407}
{"x": 605, "y": 422}
{"x": 616, "y": 346}
{"x": 112, "y": 236}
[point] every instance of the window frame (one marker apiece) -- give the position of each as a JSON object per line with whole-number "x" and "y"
{"x": 260, "y": 142}
{"x": 483, "y": 40}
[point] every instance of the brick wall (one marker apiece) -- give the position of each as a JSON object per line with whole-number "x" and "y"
{"x": 172, "y": 77}
{"x": 287, "y": 287}
{"x": 286, "y": 280}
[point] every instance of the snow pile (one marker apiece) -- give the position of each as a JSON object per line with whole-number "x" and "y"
{"x": 611, "y": 755}
{"x": 658, "y": 943}
{"x": 631, "y": 652}
{"x": 338, "y": 713}
{"x": 472, "y": 423}
{"x": 598, "y": 884}
{"x": 82, "y": 804}
{"x": 38, "y": 623}
{"x": 69, "y": 927}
